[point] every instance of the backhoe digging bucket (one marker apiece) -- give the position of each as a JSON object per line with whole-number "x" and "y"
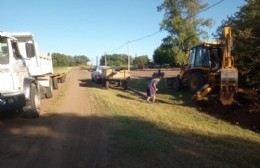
{"x": 228, "y": 85}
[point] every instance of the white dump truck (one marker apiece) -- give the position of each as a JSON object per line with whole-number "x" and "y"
{"x": 25, "y": 75}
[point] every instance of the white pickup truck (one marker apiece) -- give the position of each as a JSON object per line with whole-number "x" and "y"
{"x": 26, "y": 76}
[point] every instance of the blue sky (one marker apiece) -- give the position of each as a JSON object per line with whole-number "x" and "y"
{"x": 93, "y": 27}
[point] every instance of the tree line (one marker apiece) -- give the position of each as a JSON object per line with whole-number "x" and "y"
{"x": 59, "y": 59}
{"x": 121, "y": 60}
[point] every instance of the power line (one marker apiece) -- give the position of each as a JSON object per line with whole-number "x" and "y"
{"x": 132, "y": 41}
{"x": 117, "y": 48}
{"x": 215, "y": 4}
{"x": 141, "y": 38}
{"x": 152, "y": 34}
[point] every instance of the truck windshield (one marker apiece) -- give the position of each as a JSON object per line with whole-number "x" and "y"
{"x": 4, "y": 55}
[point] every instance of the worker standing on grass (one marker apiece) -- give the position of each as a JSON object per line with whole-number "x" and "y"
{"x": 152, "y": 88}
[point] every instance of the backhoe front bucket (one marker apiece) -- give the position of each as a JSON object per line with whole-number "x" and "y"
{"x": 226, "y": 97}
{"x": 228, "y": 85}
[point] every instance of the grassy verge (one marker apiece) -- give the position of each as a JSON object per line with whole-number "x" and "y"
{"x": 170, "y": 133}
{"x": 61, "y": 69}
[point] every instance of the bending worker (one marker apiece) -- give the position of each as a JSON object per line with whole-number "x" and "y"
{"x": 152, "y": 87}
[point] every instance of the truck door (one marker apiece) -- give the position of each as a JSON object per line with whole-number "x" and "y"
{"x": 18, "y": 66}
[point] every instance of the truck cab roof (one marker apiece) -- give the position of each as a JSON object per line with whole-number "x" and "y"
{"x": 8, "y": 35}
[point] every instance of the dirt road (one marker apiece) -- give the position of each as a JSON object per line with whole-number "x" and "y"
{"x": 70, "y": 136}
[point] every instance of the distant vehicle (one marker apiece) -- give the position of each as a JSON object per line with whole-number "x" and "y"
{"x": 97, "y": 72}
{"x": 26, "y": 76}
{"x": 115, "y": 76}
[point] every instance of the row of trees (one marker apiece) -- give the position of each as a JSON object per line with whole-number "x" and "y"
{"x": 67, "y": 60}
{"x": 121, "y": 60}
{"x": 114, "y": 60}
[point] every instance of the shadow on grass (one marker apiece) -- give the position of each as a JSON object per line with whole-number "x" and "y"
{"x": 235, "y": 114}
{"x": 238, "y": 114}
{"x": 89, "y": 83}
{"x": 65, "y": 140}
{"x": 125, "y": 97}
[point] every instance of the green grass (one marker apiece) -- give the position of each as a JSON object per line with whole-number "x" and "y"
{"x": 171, "y": 133}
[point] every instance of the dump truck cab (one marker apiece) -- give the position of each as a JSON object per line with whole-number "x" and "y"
{"x": 25, "y": 74}
{"x": 13, "y": 73}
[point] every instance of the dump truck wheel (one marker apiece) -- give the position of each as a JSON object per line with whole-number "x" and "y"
{"x": 32, "y": 108}
{"x": 63, "y": 79}
{"x": 196, "y": 81}
{"x": 176, "y": 84}
{"x": 55, "y": 83}
{"x": 49, "y": 89}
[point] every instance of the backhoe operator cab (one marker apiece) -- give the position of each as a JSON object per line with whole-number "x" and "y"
{"x": 206, "y": 55}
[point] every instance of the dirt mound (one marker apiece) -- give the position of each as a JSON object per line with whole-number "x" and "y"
{"x": 245, "y": 112}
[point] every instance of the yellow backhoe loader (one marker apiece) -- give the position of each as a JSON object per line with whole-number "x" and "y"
{"x": 210, "y": 68}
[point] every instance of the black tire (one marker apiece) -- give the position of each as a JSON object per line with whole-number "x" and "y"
{"x": 119, "y": 84}
{"x": 32, "y": 108}
{"x": 55, "y": 83}
{"x": 49, "y": 89}
{"x": 196, "y": 81}
{"x": 103, "y": 82}
{"x": 63, "y": 79}
{"x": 176, "y": 84}
{"x": 124, "y": 84}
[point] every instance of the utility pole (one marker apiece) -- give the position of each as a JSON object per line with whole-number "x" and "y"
{"x": 128, "y": 55}
{"x": 97, "y": 61}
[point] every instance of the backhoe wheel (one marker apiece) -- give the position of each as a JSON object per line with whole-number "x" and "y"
{"x": 32, "y": 108}
{"x": 196, "y": 81}
{"x": 176, "y": 84}
{"x": 124, "y": 85}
